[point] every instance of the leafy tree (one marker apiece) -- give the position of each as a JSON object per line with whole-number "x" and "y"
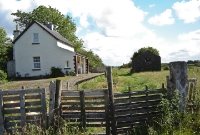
{"x": 141, "y": 50}
{"x": 5, "y": 50}
{"x": 126, "y": 65}
{"x": 64, "y": 25}
{"x": 94, "y": 60}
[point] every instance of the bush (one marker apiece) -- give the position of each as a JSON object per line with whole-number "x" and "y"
{"x": 56, "y": 72}
{"x": 166, "y": 68}
{"x": 3, "y": 75}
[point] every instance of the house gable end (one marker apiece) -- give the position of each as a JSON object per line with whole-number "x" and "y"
{"x": 54, "y": 34}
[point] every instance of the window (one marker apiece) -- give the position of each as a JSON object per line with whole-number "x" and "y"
{"x": 35, "y": 38}
{"x": 67, "y": 63}
{"x": 36, "y": 63}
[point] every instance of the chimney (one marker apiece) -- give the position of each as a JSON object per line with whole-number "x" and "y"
{"x": 49, "y": 25}
{"x": 16, "y": 32}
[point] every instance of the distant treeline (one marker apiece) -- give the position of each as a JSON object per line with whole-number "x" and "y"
{"x": 165, "y": 65}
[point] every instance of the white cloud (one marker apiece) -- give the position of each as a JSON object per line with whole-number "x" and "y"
{"x": 120, "y": 29}
{"x": 164, "y": 18}
{"x": 187, "y": 11}
{"x": 83, "y": 20}
{"x": 152, "y": 5}
{"x": 191, "y": 36}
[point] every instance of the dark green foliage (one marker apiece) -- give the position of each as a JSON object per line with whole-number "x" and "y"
{"x": 64, "y": 25}
{"x": 5, "y": 50}
{"x": 126, "y": 65}
{"x": 166, "y": 68}
{"x": 94, "y": 60}
{"x": 56, "y": 72}
{"x": 3, "y": 75}
{"x": 141, "y": 50}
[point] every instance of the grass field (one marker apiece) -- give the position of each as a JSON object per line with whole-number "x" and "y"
{"x": 173, "y": 122}
{"x": 137, "y": 81}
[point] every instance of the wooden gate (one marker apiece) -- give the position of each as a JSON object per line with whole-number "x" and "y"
{"x": 136, "y": 108}
{"x": 19, "y": 107}
{"x": 82, "y": 108}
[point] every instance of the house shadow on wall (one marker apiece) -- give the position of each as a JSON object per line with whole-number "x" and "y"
{"x": 146, "y": 61}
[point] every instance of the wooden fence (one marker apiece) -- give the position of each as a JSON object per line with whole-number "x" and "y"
{"x": 92, "y": 108}
{"x": 117, "y": 112}
{"x": 136, "y": 108}
{"x": 19, "y": 107}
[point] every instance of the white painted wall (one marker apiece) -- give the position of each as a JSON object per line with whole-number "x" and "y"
{"x": 49, "y": 51}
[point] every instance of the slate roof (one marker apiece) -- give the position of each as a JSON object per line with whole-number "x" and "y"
{"x": 54, "y": 34}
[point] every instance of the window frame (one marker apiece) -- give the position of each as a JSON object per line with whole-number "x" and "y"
{"x": 67, "y": 65}
{"x": 35, "y": 38}
{"x": 36, "y": 60}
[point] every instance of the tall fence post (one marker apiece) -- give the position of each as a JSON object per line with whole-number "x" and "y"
{"x": 67, "y": 87}
{"x": 57, "y": 104}
{"x": 111, "y": 98}
{"x": 83, "y": 115}
{"x": 169, "y": 90}
{"x": 52, "y": 88}
{"x": 179, "y": 80}
{"x": 130, "y": 107}
{"x": 106, "y": 97}
{"x": 1, "y": 115}
{"x": 147, "y": 101}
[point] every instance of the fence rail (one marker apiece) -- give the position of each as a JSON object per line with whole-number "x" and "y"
{"x": 19, "y": 107}
{"x": 136, "y": 108}
{"x": 117, "y": 112}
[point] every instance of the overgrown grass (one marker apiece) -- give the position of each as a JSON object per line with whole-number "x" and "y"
{"x": 173, "y": 122}
{"x": 99, "y": 82}
{"x": 137, "y": 81}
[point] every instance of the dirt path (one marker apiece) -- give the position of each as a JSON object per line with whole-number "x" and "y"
{"x": 44, "y": 83}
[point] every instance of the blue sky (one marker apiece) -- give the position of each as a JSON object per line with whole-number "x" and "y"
{"x": 115, "y": 29}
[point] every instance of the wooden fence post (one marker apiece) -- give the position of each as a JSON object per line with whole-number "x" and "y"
{"x": 178, "y": 80}
{"x": 1, "y": 115}
{"x": 67, "y": 86}
{"x": 169, "y": 91}
{"x": 44, "y": 109}
{"x": 111, "y": 98}
{"x": 83, "y": 115}
{"x": 52, "y": 88}
{"x": 57, "y": 104}
{"x": 22, "y": 110}
{"x": 129, "y": 90}
{"x": 147, "y": 96}
{"x": 106, "y": 97}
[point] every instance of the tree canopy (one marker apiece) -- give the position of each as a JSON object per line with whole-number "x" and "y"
{"x": 64, "y": 25}
{"x": 141, "y": 50}
{"x": 5, "y": 49}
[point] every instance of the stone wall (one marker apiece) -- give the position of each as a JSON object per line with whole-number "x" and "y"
{"x": 147, "y": 61}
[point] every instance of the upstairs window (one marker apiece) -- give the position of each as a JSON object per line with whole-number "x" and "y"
{"x": 67, "y": 64}
{"x": 36, "y": 63}
{"x": 35, "y": 38}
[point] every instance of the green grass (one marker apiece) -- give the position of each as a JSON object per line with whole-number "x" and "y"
{"x": 137, "y": 81}
{"x": 188, "y": 125}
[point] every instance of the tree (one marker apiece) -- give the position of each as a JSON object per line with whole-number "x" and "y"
{"x": 5, "y": 49}
{"x": 141, "y": 50}
{"x": 64, "y": 25}
{"x": 94, "y": 60}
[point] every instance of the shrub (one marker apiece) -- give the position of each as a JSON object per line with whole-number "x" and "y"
{"x": 166, "y": 68}
{"x": 3, "y": 75}
{"x": 56, "y": 71}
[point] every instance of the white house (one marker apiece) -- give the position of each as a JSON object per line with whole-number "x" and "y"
{"x": 38, "y": 48}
